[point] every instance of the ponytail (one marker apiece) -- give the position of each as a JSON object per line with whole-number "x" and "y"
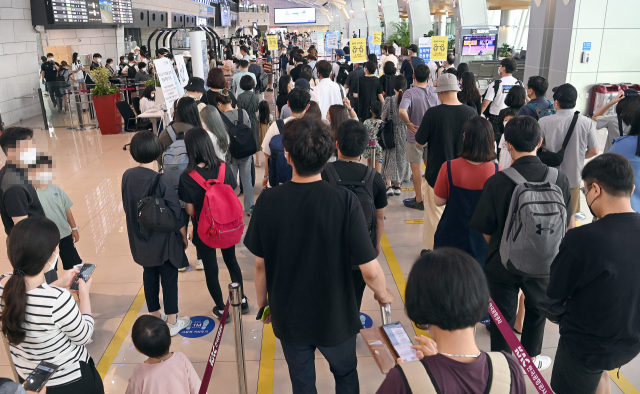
{"x": 400, "y": 85}
{"x": 31, "y": 244}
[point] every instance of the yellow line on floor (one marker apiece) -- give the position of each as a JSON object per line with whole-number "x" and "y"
{"x": 407, "y": 189}
{"x": 267, "y": 361}
{"x": 120, "y": 335}
{"x": 398, "y": 276}
{"x": 414, "y": 221}
{"x": 623, "y": 383}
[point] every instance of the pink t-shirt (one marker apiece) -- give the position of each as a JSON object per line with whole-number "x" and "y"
{"x": 175, "y": 375}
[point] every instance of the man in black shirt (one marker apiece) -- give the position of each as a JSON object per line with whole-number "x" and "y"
{"x": 523, "y": 138}
{"x": 295, "y": 73}
{"x": 352, "y": 140}
{"x": 48, "y": 75}
{"x": 441, "y": 131}
{"x": 18, "y": 198}
{"x": 352, "y": 84}
{"x": 306, "y": 234}
{"x": 409, "y": 64}
{"x": 596, "y": 274}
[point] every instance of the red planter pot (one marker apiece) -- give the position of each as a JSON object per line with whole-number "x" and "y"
{"x": 108, "y": 116}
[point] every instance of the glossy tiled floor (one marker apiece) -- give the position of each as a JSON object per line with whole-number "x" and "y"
{"x": 89, "y": 166}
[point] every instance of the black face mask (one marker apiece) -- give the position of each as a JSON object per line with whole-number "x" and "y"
{"x": 589, "y": 205}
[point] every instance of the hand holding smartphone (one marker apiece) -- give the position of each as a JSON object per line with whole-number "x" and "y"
{"x": 39, "y": 376}
{"x": 400, "y": 341}
{"x": 84, "y": 274}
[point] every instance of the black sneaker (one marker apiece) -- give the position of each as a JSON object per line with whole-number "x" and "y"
{"x": 245, "y": 305}
{"x": 269, "y": 90}
{"x": 218, "y": 313}
{"x": 414, "y": 204}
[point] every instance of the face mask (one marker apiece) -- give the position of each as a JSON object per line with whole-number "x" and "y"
{"x": 44, "y": 177}
{"x": 126, "y": 61}
{"x": 50, "y": 59}
{"x": 54, "y": 263}
{"x": 99, "y": 61}
{"x": 505, "y": 124}
{"x": 153, "y": 95}
{"x": 29, "y": 157}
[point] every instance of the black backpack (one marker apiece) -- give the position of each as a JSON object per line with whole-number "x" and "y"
{"x": 242, "y": 144}
{"x": 154, "y": 215}
{"x": 343, "y": 72}
{"x": 363, "y": 191}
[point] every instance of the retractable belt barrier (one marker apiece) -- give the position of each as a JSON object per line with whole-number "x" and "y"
{"x": 518, "y": 350}
{"x": 214, "y": 352}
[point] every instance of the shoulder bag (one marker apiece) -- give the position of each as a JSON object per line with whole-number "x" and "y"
{"x": 554, "y": 159}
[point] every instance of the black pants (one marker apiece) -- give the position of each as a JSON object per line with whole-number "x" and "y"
{"x": 68, "y": 253}
{"x": 505, "y": 296}
{"x": 342, "y": 360}
{"x": 359, "y": 285}
{"x": 210, "y": 263}
{"x": 571, "y": 376}
{"x": 151, "y": 277}
{"x": 90, "y": 383}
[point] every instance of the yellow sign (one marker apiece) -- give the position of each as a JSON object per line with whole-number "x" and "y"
{"x": 439, "y": 47}
{"x": 273, "y": 43}
{"x": 358, "y": 50}
{"x": 377, "y": 38}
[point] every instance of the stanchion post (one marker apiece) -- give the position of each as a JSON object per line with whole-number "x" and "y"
{"x": 235, "y": 295}
{"x": 385, "y": 310}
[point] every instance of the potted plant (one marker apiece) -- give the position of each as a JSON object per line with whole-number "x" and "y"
{"x": 503, "y": 51}
{"x": 402, "y": 34}
{"x": 104, "y": 96}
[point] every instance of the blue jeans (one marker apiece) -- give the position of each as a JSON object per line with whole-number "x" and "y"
{"x": 244, "y": 166}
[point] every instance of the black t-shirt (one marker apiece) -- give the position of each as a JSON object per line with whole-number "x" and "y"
{"x": 50, "y": 71}
{"x": 308, "y": 234}
{"x": 441, "y": 127}
{"x": 17, "y": 197}
{"x": 352, "y": 171}
{"x": 353, "y": 78}
{"x": 492, "y": 210}
{"x": 295, "y": 72}
{"x": 210, "y": 98}
{"x": 190, "y": 192}
{"x": 368, "y": 89}
{"x": 477, "y": 105}
{"x": 596, "y": 271}
{"x": 281, "y": 101}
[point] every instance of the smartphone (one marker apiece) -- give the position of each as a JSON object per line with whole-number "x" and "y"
{"x": 400, "y": 341}
{"x": 263, "y": 313}
{"x": 85, "y": 273}
{"x": 39, "y": 376}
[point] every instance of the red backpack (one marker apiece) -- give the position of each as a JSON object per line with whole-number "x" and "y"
{"x": 220, "y": 224}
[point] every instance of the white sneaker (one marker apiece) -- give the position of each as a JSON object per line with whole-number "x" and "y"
{"x": 181, "y": 323}
{"x": 183, "y": 269}
{"x": 541, "y": 362}
{"x": 199, "y": 265}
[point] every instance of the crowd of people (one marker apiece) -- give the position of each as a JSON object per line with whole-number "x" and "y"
{"x": 500, "y": 195}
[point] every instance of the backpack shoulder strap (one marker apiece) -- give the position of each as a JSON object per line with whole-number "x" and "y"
{"x": 154, "y": 185}
{"x": 449, "y": 173}
{"x": 226, "y": 120}
{"x": 221, "y": 173}
{"x": 514, "y": 175}
{"x": 500, "y": 379}
{"x": 496, "y": 87}
{"x": 280, "y": 124}
{"x": 570, "y": 132}
{"x": 418, "y": 378}
{"x": 497, "y": 167}
{"x": 199, "y": 179}
{"x": 240, "y": 115}
{"x": 172, "y": 133}
{"x": 551, "y": 176}
{"x": 332, "y": 174}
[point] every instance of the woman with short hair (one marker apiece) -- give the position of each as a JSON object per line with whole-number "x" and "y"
{"x": 216, "y": 81}
{"x": 459, "y": 186}
{"x": 447, "y": 294}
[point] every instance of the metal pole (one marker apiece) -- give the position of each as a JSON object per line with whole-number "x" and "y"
{"x": 385, "y": 310}
{"x": 236, "y": 301}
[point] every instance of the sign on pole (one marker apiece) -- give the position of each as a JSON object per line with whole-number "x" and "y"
{"x": 183, "y": 75}
{"x": 374, "y": 48}
{"x": 171, "y": 88}
{"x": 358, "y": 50}
{"x": 272, "y": 42}
{"x": 332, "y": 41}
{"x": 439, "y": 47}
{"x": 377, "y": 37}
{"x": 424, "y": 48}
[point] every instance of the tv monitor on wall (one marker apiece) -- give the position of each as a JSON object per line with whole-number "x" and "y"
{"x": 289, "y": 16}
{"x": 479, "y": 45}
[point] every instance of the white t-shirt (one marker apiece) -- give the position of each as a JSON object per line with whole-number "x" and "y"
{"x": 498, "y": 101}
{"x": 273, "y": 130}
{"x": 390, "y": 58}
{"x": 77, "y": 70}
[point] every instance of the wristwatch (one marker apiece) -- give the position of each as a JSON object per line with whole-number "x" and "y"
{"x": 266, "y": 177}
{"x": 75, "y": 228}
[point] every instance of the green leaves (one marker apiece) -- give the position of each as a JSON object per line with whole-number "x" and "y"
{"x": 402, "y": 34}
{"x": 103, "y": 87}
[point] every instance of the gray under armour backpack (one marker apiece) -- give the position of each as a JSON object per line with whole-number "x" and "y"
{"x": 535, "y": 225}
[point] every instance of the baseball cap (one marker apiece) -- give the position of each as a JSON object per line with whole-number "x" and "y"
{"x": 413, "y": 48}
{"x": 566, "y": 91}
{"x": 186, "y": 54}
{"x": 447, "y": 82}
{"x": 340, "y": 52}
{"x": 302, "y": 83}
{"x": 252, "y": 58}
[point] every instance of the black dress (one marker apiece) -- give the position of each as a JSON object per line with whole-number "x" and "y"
{"x": 386, "y": 81}
{"x": 477, "y": 105}
{"x": 368, "y": 89}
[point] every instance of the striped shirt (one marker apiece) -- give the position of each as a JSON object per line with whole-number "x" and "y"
{"x": 56, "y": 333}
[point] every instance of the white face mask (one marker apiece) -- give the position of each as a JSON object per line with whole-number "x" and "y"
{"x": 50, "y": 59}
{"x": 99, "y": 61}
{"x": 126, "y": 61}
{"x": 53, "y": 264}
{"x": 29, "y": 157}
{"x": 153, "y": 95}
{"x": 44, "y": 177}
{"x": 505, "y": 123}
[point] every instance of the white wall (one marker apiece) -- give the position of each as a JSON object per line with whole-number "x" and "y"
{"x": 19, "y": 59}
{"x": 108, "y": 42}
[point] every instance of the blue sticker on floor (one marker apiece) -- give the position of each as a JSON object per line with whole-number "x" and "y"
{"x": 199, "y": 327}
{"x": 366, "y": 321}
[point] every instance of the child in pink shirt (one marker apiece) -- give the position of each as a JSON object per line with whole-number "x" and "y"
{"x": 163, "y": 371}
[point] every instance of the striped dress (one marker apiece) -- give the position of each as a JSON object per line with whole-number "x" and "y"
{"x": 56, "y": 333}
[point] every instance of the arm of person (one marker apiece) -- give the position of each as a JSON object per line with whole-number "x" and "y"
{"x": 16, "y": 201}
{"x": 375, "y": 279}
{"x": 566, "y": 269}
{"x": 404, "y": 115}
{"x": 381, "y": 98}
{"x": 17, "y": 219}
{"x": 379, "y": 228}
{"x": 423, "y": 132}
{"x": 485, "y": 104}
{"x": 485, "y": 217}
{"x": 75, "y": 235}
{"x": 191, "y": 211}
{"x": 591, "y": 152}
{"x": 347, "y": 105}
{"x": 488, "y": 97}
{"x": 260, "y": 277}
{"x": 607, "y": 106}
{"x": 441, "y": 188}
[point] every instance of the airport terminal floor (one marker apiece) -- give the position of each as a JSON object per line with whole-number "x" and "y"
{"x": 89, "y": 168}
